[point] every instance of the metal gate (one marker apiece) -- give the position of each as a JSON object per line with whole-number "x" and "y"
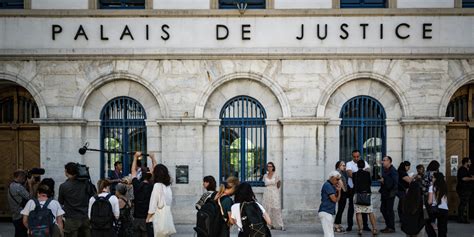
{"x": 123, "y": 129}
{"x": 363, "y": 128}
{"x": 243, "y": 139}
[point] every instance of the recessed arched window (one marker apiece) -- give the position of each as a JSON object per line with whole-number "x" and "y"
{"x": 363, "y": 128}
{"x": 122, "y": 130}
{"x": 243, "y": 139}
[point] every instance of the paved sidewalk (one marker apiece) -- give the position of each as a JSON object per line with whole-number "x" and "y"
{"x": 454, "y": 230}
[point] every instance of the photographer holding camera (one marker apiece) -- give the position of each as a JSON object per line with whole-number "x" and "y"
{"x": 18, "y": 196}
{"x": 74, "y": 195}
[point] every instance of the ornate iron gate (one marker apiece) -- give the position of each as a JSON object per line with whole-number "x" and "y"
{"x": 123, "y": 129}
{"x": 363, "y": 128}
{"x": 243, "y": 139}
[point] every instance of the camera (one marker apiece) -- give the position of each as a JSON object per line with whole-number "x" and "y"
{"x": 83, "y": 172}
{"x": 35, "y": 171}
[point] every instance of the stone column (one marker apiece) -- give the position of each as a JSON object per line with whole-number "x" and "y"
{"x": 60, "y": 140}
{"x": 182, "y": 144}
{"x": 424, "y": 139}
{"x": 303, "y": 167}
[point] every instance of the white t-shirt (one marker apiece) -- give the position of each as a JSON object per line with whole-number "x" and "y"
{"x": 161, "y": 195}
{"x": 444, "y": 200}
{"x": 54, "y": 206}
{"x": 235, "y": 209}
{"x": 113, "y": 201}
{"x": 352, "y": 166}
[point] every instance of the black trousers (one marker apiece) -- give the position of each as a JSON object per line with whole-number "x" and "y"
{"x": 463, "y": 208}
{"x": 401, "y": 201}
{"x": 341, "y": 205}
{"x": 442, "y": 218}
{"x": 350, "y": 211}
{"x": 20, "y": 229}
{"x": 386, "y": 207}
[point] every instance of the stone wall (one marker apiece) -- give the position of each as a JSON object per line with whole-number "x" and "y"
{"x": 183, "y": 98}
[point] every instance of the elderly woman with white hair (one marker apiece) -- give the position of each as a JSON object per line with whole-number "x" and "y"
{"x": 330, "y": 194}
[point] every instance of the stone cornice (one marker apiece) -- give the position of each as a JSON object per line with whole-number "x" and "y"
{"x": 181, "y": 121}
{"x": 59, "y": 121}
{"x": 425, "y": 120}
{"x": 303, "y": 121}
{"x": 235, "y": 13}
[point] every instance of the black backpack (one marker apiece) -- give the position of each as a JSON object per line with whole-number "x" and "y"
{"x": 102, "y": 216}
{"x": 253, "y": 224}
{"x": 209, "y": 218}
{"x": 41, "y": 220}
{"x": 124, "y": 223}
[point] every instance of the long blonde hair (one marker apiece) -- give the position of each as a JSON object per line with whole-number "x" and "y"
{"x": 231, "y": 183}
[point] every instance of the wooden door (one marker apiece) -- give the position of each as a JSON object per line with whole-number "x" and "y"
{"x": 457, "y": 144}
{"x": 19, "y": 138}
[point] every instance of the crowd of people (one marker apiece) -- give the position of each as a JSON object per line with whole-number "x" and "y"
{"x": 422, "y": 197}
{"x": 140, "y": 204}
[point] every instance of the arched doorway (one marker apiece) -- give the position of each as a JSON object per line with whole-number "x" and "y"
{"x": 19, "y": 137}
{"x": 363, "y": 128}
{"x": 123, "y": 129}
{"x": 459, "y": 138}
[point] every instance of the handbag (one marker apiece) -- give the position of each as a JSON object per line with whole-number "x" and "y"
{"x": 363, "y": 199}
{"x": 163, "y": 224}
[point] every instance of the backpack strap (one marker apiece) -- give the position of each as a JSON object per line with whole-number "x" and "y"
{"x": 108, "y": 196}
{"x": 47, "y": 203}
{"x": 96, "y": 197}
{"x": 222, "y": 210}
{"x": 37, "y": 203}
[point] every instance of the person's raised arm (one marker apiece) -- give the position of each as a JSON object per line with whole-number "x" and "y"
{"x": 153, "y": 161}
{"x": 134, "y": 163}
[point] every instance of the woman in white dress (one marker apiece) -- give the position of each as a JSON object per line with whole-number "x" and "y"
{"x": 271, "y": 197}
{"x": 159, "y": 210}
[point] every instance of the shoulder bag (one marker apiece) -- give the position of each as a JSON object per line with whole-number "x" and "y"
{"x": 163, "y": 224}
{"x": 363, "y": 198}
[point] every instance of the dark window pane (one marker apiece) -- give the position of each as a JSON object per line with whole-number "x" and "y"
{"x": 122, "y": 4}
{"x": 468, "y": 3}
{"x": 11, "y": 4}
{"x": 363, "y": 3}
{"x": 251, "y": 4}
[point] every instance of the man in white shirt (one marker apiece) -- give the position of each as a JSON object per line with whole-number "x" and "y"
{"x": 351, "y": 167}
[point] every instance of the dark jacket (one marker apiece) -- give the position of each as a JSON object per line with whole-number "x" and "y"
{"x": 362, "y": 181}
{"x": 73, "y": 195}
{"x": 389, "y": 187}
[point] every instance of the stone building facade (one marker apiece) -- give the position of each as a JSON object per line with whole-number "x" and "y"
{"x": 183, "y": 85}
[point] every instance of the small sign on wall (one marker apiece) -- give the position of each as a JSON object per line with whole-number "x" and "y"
{"x": 182, "y": 174}
{"x": 454, "y": 165}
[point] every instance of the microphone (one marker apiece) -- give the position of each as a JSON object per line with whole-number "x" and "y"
{"x": 82, "y": 150}
{"x": 86, "y": 148}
